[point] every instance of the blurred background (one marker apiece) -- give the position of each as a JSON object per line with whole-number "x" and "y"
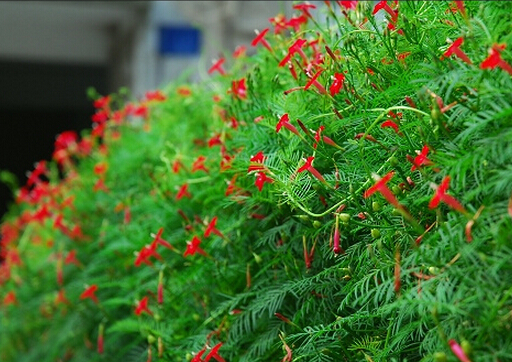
{"x": 52, "y": 51}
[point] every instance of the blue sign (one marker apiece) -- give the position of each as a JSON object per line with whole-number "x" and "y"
{"x": 179, "y": 40}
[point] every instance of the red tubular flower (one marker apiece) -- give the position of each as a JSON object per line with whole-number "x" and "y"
{"x": 239, "y": 51}
{"x": 337, "y": 84}
{"x": 318, "y": 134}
{"x": 199, "y": 164}
{"x": 61, "y": 298}
{"x": 454, "y": 49}
{"x": 10, "y": 298}
{"x": 458, "y": 351}
{"x": 308, "y": 166}
{"x": 256, "y": 162}
{"x": 305, "y": 8}
{"x": 217, "y": 66}
{"x": 193, "y": 247}
{"x": 100, "y": 338}
{"x": 41, "y": 214}
{"x": 198, "y": 355}
{"x": 261, "y": 178}
{"x": 441, "y": 195}
{"x": 102, "y": 102}
{"x": 89, "y": 293}
{"x": 296, "y": 47}
{"x": 494, "y": 59}
{"x": 39, "y": 170}
{"x": 421, "y": 159}
{"x": 212, "y": 229}
{"x": 380, "y": 186}
{"x": 460, "y": 6}
{"x": 397, "y": 282}
{"x": 183, "y": 192}
{"x": 214, "y": 353}
{"x": 158, "y": 240}
{"x": 238, "y": 89}
{"x": 100, "y": 168}
{"x": 313, "y": 81}
{"x": 390, "y": 123}
{"x": 100, "y": 185}
{"x": 156, "y": 95}
{"x": 336, "y": 238}
{"x": 284, "y": 121}
{"x": 142, "y": 306}
{"x": 384, "y": 5}
{"x": 160, "y": 289}
{"x": 260, "y": 38}
{"x": 71, "y": 258}
{"x": 145, "y": 253}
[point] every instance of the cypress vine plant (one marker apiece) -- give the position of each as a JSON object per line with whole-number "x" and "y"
{"x": 342, "y": 195}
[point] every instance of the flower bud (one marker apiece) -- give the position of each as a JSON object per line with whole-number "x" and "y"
{"x": 440, "y": 357}
{"x": 151, "y": 339}
{"x": 466, "y": 347}
{"x": 317, "y": 224}
{"x": 376, "y": 206}
{"x": 344, "y": 217}
{"x": 375, "y": 233}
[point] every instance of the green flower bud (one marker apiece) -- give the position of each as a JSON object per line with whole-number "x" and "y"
{"x": 376, "y": 206}
{"x": 257, "y": 258}
{"x": 317, "y": 224}
{"x": 344, "y": 217}
{"x": 393, "y": 161}
{"x": 466, "y": 347}
{"x": 157, "y": 317}
{"x": 375, "y": 233}
{"x": 396, "y": 190}
{"x": 440, "y": 357}
{"x": 151, "y": 339}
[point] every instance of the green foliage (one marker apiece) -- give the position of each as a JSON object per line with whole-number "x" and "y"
{"x": 325, "y": 262}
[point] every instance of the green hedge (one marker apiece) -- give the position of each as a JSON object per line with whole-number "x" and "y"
{"x": 342, "y": 195}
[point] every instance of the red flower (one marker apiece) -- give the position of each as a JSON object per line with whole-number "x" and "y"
{"x": 296, "y": 47}
{"x": 304, "y": 8}
{"x": 71, "y": 258}
{"x": 239, "y": 51}
{"x": 256, "y": 162}
{"x": 41, "y": 214}
{"x": 308, "y": 166}
{"x": 238, "y": 89}
{"x": 100, "y": 338}
{"x": 155, "y": 96}
{"x": 380, "y": 186}
{"x": 10, "y": 298}
{"x": 390, "y": 123}
{"x": 458, "y": 351}
{"x": 318, "y": 133}
{"x": 348, "y": 5}
{"x": 100, "y": 185}
{"x": 193, "y": 247}
{"x": 440, "y": 195}
{"x": 313, "y": 81}
{"x": 102, "y": 102}
{"x": 214, "y": 354}
{"x": 384, "y": 5}
{"x": 199, "y": 164}
{"x": 494, "y": 59}
{"x": 89, "y": 293}
{"x": 261, "y": 178}
{"x": 337, "y": 84}
{"x": 61, "y": 298}
{"x": 183, "y": 192}
{"x": 454, "y": 49}
{"x": 101, "y": 116}
{"x": 142, "y": 306}
{"x": 260, "y": 38}
{"x": 421, "y": 159}
{"x": 217, "y": 66}
{"x": 100, "y": 168}
{"x": 39, "y": 170}
{"x": 145, "y": 253}
{"x": 157, "y": 239}
{"x": 212, "y": 229}
{"x": 284, "y": 121}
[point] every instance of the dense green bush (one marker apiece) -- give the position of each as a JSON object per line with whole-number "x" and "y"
{"x": 342, "y": 195}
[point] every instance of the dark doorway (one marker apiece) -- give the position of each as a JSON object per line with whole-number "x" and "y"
{"x": 38, "y": 101}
